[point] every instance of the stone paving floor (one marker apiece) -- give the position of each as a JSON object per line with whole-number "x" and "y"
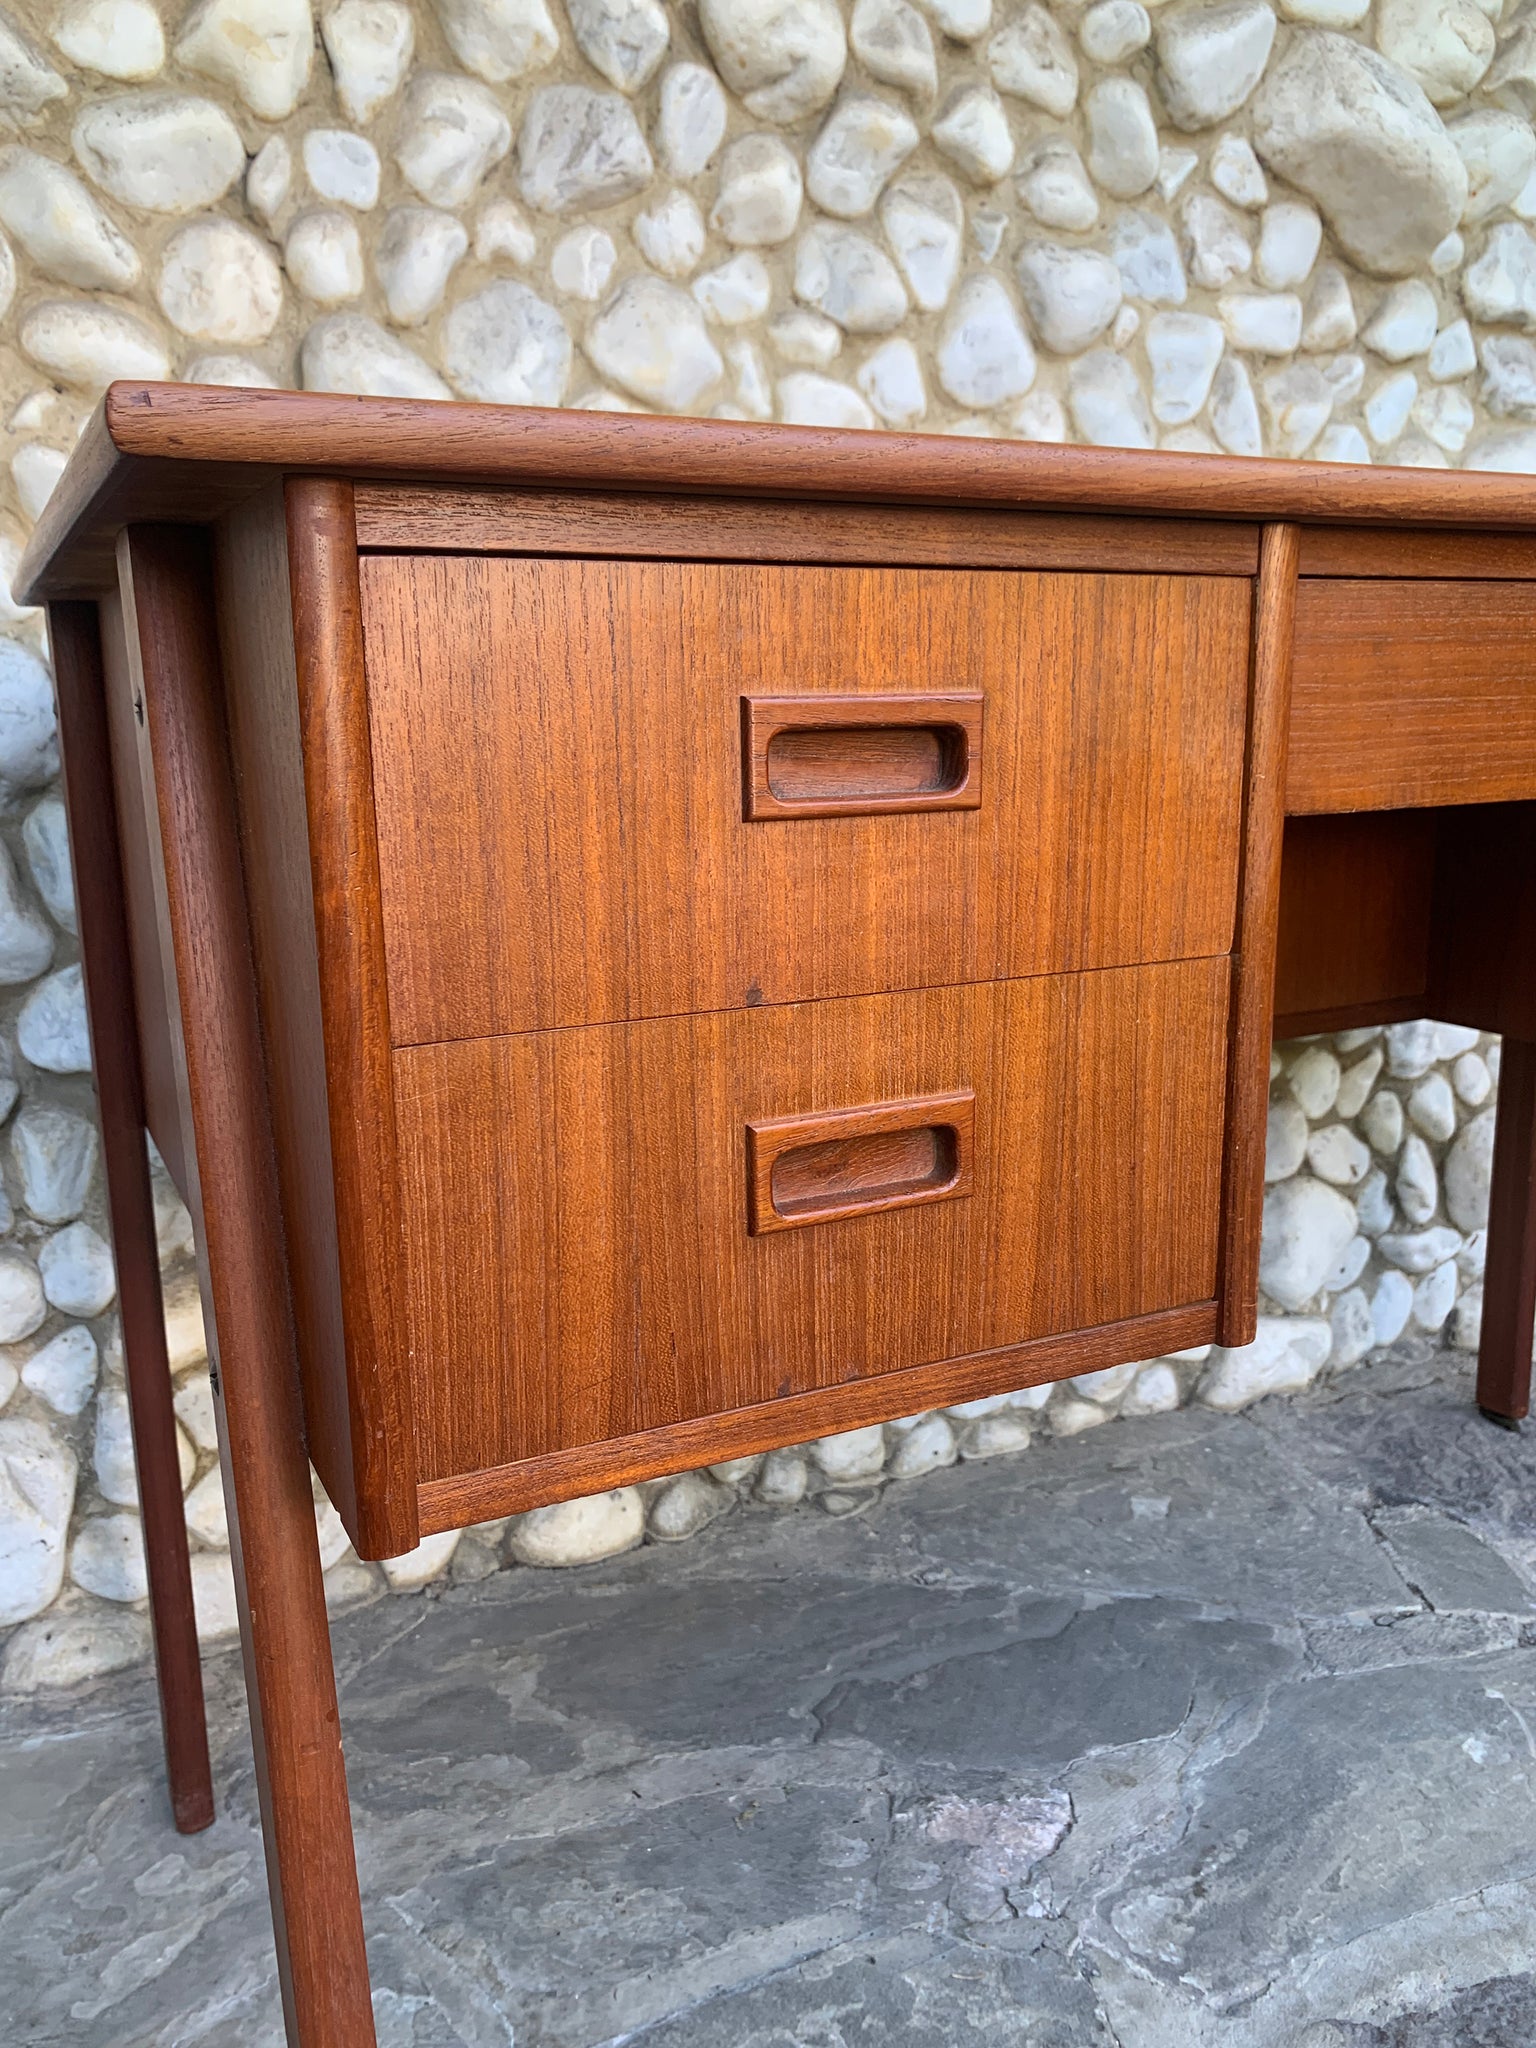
{"x": 1204, "y": 1731}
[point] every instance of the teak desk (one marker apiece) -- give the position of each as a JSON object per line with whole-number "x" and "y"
{"x": 644, "y": 940}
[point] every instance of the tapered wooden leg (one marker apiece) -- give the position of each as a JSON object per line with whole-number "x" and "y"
{"x": 165, "y": 580}
{"x": 1509, "y": 1285}
{"x": 96, "y": 854}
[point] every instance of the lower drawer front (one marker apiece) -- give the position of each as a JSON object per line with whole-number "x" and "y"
{"x": 600, "y": 1242}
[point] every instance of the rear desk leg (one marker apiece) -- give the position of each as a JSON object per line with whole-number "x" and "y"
{"x": 96, "y": 853}
{"x": 1509, "y": 1286}
{"x": 166, "y": 584}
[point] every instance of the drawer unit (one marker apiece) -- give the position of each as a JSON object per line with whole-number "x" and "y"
{"x": 613, "y": 789}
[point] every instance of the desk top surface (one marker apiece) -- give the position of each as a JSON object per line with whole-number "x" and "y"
{"x": 178, "y": 452}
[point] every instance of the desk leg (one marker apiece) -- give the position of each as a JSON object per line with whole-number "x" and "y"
{"x": 96, "y": 855}
{"x": 166, "y": 583}
{"x": 1509, "y": 1285}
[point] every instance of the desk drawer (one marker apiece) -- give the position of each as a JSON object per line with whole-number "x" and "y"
{"x": 579, "y": 822}
{"x": 616, "y": 1229}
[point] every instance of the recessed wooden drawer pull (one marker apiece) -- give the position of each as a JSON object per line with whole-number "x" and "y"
{"x": 853, "y": 1162}
{"x": 839, "y": 757}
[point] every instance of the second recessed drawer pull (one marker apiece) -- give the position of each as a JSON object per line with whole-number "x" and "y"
{"x": 854, "y": 1162}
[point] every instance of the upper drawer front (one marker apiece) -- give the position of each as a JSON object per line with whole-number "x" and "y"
{"x": 577, "y": 823}
{"x": 1411, "y": 691}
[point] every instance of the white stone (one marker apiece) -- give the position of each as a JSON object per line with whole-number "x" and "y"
{"x": 342, "y": 166}
{"x": 112, "y": 1450}
{"x": 973, "y": 132}
{"x": 1298, "y": 401}
{"x": 107, "y": 1558}
{"x": 347, "y": 352}
{"x": 1382, "y": 1122}
{"x": 1113, "y": 30}
{"x": 1445, "y": 45}
{"x": 1512, "y": 451}
{"x": 1210, "y": 56}
{"x": 1403, "y": 325}
{"x": 1468, "y": 1173}
{"x": 1237, "y": 173}
{"x": 1326, "y": 13}
{"x": 1285, "y": 1356}
{"x": 1055, "y": 186}
{"x": 783, "y": 58}
{"x": 923, "y": 219}
{"x": 370, "y": 44}
{"x": 578, "y": 149}
{"x": 90, "y": 345}
{"x": 758, "y": 203}
{"x": 843, "y": 274}
{"x": 269, "y": 178}
{"x": 1155, "y": 1391}
{"x": 782, "y": 1481}
{"x": 670, "y": 234}
{"x": 119, "y": 38}
{"x": 235, "y": 371}
{"x": 1513, "y": 73}
{"x": 1071, "y": 1416}
{"x": 1501, "y": 284}
{"x": 262, "y": 49}
{"x": 737, "y": 291}
{"x": 416, "y": 254}
{"x": 70, "y": 1649}
{"x": 23, "y": 1304}
{"x": 1032, "y": 59}
{"x": 452, "y": 131}
{"x": 27, "y": 80}
{"x": 892, "y": 380}
{"x": 852, "y": 1454}
{"x": 214, "y": 1606}
{"x": 1215, "y": 241}
{"x": 36, "y": 471}
{"x": 193, "y": 1402}
{"x": 62, "y": 1372}
{"x": 1419, "y": 1251}
{"x": 219, "y": 283}
{"x": 690, "y": 124}
{"x": 1264, "y": 323}
{"x": 1453, "y": 353}
{"x": 995, "y": 1436}
{"x": 76, "y": 1265}
{"x": 1418, "y": 1185}
{"x": 809, "y": 400}
{"x": 1435, "y": 1297}
{"x": 1122, "y": 138}
{"x": 749, "y": 379}
{"x": 1306, "y": 1226}
{"x": 37, "y": 1491}
{"x": 323, "y": 254}
{"x": 507, "y": 346}
{"x": 51, "y": 1029}
{"x": 1391, "y": 1306}
{"x": 1358, "y": 136}
{"x": 984, "y": 356}
{"x": 54, "y": 1152}
{"x": 1072, "y": 294}
{"x": 1356, "y": 1083}
{"x": 1285, "y": 1141}
{"x": 863, "y": 144}
{"x": 1353, "y": 1329}
{"x": 1330, "y": 321}
{"x": 1234, "y": 411}
{"x": 1108, "y": 406}
{"x": 685, "y": 1507}
{"x": 45, "y": 836}
{"x": 1105, "y": 1386}
{"x": 801, "y": 336}
{"x": 1432, "y": 1107}
{"x": 1174, "y": 169}
{"x": 164, "y": 152}
{"x": 429, "y": 1560}
{"x": 1466, "y": 1325}
{"x": 1412, "y": 1049}
{"x": 1290, "y": 236}
{"x": 500, "y": 230}
{"x": 1447, "y": 255}
{"x": 1315, "y": 1077}
{"x": 1471, "y": 1079}
{"x": 61, "y": 227}
{"x": 651, "y": 340}
{"x": 1498, "y": 149}
{"x": 894, "y": 44}
{"x": 623, "y": 39}
{"x": 581, "y": 264}
{"x": 963, "y": 21}
{"x": 499, "y": 40}
{"x": 927, "y": 1448}
{"x": 1388, "y": 407}
{"x": 580, "y": 1531}
{"x": 1349, "y": 1265}
{"x": 1336, "y": 1155}
{"x": 26, "y": 943}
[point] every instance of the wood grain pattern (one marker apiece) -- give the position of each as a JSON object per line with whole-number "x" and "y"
{"x": 1412, "y": 693}
{"x": 291, "y": 1690}
{"x": 333, "y": 717}
{"x": 830, "y": 756}
{"x": 822, "y": 1167}
{"x": 95, "y": 855}
{"x": 578, "y": 1261}
{"x": 189, "y": 452}
{"x": 467, "y": 1497}
{"x": 423, "y": 518}
{"x": 1354, "y": 930}
{"x": 1509, "y": 1284}
{"x": 1253, "y": 965}
{"x": 1392, "y": 551}
{"x": 558, "y": 784}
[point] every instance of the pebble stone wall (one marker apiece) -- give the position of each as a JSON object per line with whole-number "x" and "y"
{"x": 1296, "y": 230}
